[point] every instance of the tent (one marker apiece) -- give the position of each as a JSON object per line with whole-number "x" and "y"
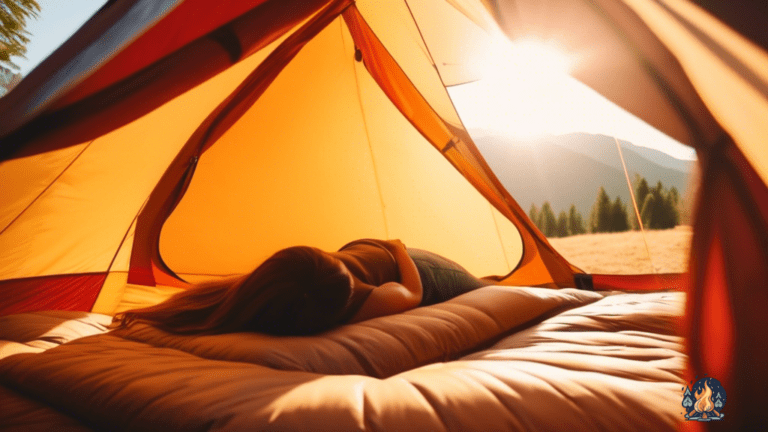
{"x": 354, "y": 171}
{"x": 691, "y": 76}
{"x": 177, "y": 141}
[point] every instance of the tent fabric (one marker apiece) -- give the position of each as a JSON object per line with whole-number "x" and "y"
{"x": 123, "y": 99}
{"x": 643, "y": 282}
{"x": 68, "y": 292}
{"x": 727, "y": 309}
{"x": 172, "y": 186}
{"x": 691, "y": 76}
{"x": 106, "y": 143}
{"x": 222, "y": 163}
{"x": 128, "y": 206}
{"x": 102, "y": 61}
{"x": 127, "y": 156}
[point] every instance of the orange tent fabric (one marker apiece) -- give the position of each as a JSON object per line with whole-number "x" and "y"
{"x": 167, "y": 143}
{"x": 703, "y": 83}
{"x": 130, "y": 173}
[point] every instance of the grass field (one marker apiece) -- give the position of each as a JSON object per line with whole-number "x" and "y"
{"x": 625, "y": 253}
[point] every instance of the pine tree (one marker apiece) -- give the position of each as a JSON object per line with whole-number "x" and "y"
{"x": 575, "y": 223}
{"x": 600, "y": 218}
{"x": 547, "y": 221}
{"x": 661, "y": 212}
{"x": 674, "y": 195}
{"x": 660, "y": 208}
{"x": 657, "y": 212}
{"x": 619, "y": 219}
{"x": 671, "y": 216}
{"x": 641, "y": 192}
{"x": 13, "y": 33}
{"x": 533, "y": 213}
{"x": 646, "y": 214}
{"x": 561, "y": 229}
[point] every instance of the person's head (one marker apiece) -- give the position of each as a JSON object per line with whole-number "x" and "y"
{"x": 298, "y": 290}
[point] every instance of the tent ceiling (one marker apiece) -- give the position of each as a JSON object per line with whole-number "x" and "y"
{"x": 358, "y": 168}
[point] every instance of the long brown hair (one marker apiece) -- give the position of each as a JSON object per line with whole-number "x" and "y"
{"x": 298, "y": 290}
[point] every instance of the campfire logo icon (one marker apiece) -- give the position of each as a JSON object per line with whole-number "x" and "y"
{"x": 704, "y": 401}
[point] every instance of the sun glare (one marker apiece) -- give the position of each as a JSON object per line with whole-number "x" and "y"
{"x": 520, "y": 83}
{"x": 526, "y": 91}
{"x": 528, "y": 59}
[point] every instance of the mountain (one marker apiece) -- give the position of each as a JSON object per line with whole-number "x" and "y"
{"x": 571, "y": 168}
{"x": 603, "y": 149}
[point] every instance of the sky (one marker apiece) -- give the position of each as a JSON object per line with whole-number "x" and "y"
{"x": 525, "y": 92}
{"x": 57, "y": 21}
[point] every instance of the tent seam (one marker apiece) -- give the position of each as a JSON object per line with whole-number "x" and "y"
{"x": 368, "y": 140}
{"x": 498, "y": 233}
{"x": 117, "y": 252}
{"x": 47, "y": 187}
{"x": 461, "y": 123}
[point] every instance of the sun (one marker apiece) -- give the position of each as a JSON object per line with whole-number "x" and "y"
{"x": 520, "y": 83}
{"x": 529, "y": 59}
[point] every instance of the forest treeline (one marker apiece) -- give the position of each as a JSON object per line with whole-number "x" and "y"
{"x": 660, "y": 208}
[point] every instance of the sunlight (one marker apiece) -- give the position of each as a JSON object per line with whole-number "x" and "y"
{"x": 521, "y": 82}
{"x": 526, "y": 92}
{"x": 529, "y": 59}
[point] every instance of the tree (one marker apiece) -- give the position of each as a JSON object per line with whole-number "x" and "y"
{"x": 641, "y": 192}
{"x": 13, "y": 33}
{"x": 674, "y": 195}
{"x": 619, "y": 217}
{"x": 660, "y": 208}
{"x": 575, "y": 224}
{"x": 547, "y": 221}
{"x": 533, "y": 213}
{"x": 670, "y": 214}
{"x": 600, "y": 218}
{"x": 561, "y": 228}
{"x": 665, "y": 213}
{"x": 641, "y": 188}
{"x": 646, "y": 214}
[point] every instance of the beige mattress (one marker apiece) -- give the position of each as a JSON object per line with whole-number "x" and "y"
{"x": 497, "y": 358}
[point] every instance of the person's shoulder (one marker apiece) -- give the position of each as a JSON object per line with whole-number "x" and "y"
{"x": 364, "y": 242}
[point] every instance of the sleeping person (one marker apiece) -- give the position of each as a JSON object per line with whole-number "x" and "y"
{"x": 303, "y": 290}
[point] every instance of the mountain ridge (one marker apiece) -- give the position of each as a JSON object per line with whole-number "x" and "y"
{"x": 571, "y": 168}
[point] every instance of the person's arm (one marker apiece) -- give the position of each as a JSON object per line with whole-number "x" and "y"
{"x": 409, "y": 274}
{"x": 393, "y": 297}
{"x": 387, "y": 299}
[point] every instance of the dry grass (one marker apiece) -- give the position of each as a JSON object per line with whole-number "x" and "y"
{"x": 624, "y": 253}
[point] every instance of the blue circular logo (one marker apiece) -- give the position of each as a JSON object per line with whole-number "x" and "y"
{"x": 704, "y": 401}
